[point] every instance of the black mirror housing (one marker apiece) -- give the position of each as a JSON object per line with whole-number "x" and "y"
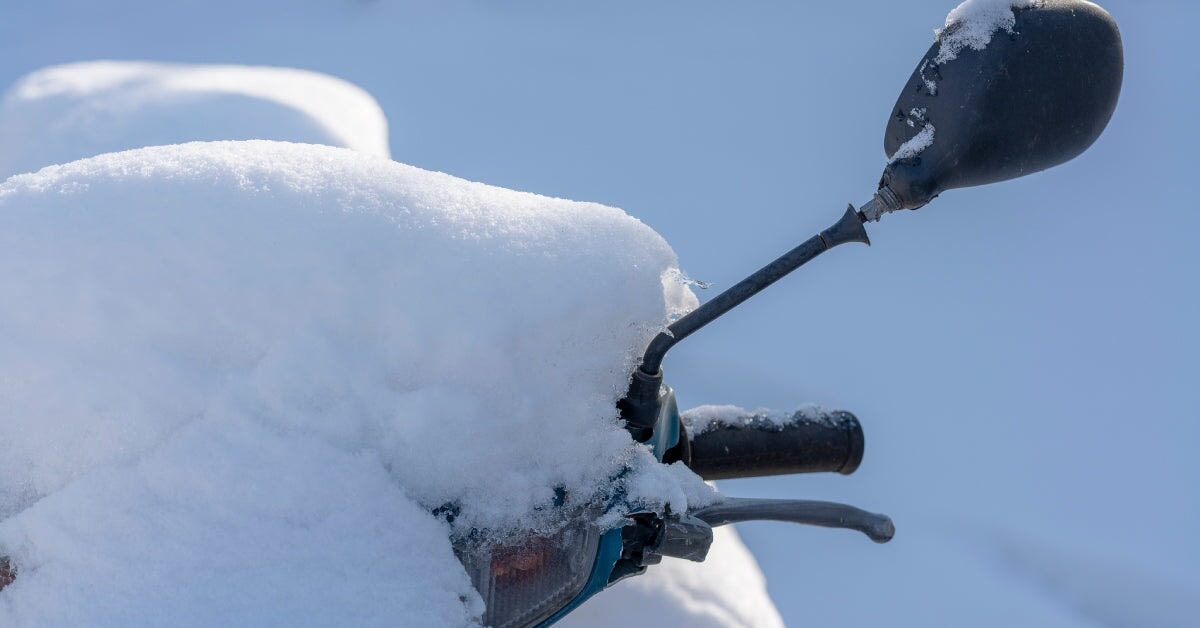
{"x": 1033, "y": 98}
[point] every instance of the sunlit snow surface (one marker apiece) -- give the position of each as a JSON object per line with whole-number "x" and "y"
{"x": 263, "y": 388}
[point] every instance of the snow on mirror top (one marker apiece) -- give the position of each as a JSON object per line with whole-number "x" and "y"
{"x": 240, "y": 348}
{"x": 969, "y": 25}
{"x": 972, "y": 24}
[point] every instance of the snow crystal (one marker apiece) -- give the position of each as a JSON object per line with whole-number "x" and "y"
{"x": 972, "y": 23}
{"x": 708, "y": 417}
{"x": 236, "y": 376}
{"x": 68, "y": 112}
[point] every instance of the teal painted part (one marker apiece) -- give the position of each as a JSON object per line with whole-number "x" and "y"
{"x": 606, "y": 558}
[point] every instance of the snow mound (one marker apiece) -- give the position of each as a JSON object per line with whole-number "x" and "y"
{"x": 236, "y": 377}
{"x": 64, "y": 113}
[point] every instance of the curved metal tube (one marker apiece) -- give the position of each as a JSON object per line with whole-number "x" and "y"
{"x": 848, "y": 228}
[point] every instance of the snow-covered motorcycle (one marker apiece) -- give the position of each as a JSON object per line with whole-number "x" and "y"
{"x": 1010, "y": 87}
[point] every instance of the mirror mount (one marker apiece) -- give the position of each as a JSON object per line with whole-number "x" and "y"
{"x": 884, "y": 201}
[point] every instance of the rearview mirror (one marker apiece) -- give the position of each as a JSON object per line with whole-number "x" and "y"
{"x": 977, "y": 111}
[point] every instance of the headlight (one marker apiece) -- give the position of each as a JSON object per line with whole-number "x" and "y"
{"x": 526, "y": 580}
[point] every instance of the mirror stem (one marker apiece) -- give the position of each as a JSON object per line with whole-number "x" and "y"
{"x": 847, "y": 229}
{"x": 884, "y": 201}
{"x": 639, "y": 407}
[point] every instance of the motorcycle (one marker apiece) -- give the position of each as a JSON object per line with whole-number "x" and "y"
{"x": 1029, "y": 95}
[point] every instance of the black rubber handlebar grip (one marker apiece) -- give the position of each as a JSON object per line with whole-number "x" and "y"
{"x": 756, "y": 445}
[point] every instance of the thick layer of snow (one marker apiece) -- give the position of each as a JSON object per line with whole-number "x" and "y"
{"x": 232, "y": 372}
{"x": 972, "y": 24}
{"x": 69, "y": 112}
{"x": 270, "y": 520}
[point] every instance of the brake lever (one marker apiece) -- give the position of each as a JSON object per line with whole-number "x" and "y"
{"x": 649, "y": 537}
{"x": 878, "y": 528}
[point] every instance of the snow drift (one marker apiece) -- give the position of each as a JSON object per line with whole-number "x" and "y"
{"x": 68, "y": 112}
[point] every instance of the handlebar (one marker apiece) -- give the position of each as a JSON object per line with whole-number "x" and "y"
{"x": 755, "y": 445}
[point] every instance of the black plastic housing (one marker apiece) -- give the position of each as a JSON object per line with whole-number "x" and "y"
{"x": 1030, "y": 100}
